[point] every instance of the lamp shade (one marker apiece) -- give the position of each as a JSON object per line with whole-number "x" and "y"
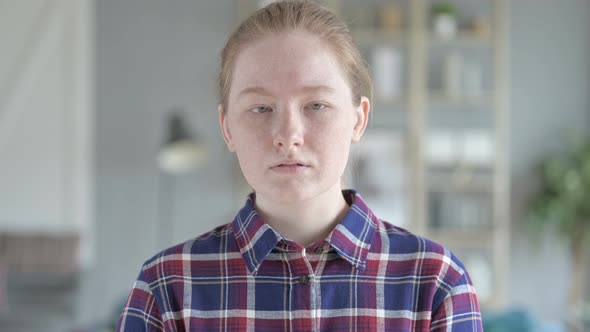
{"x": 181, "y": 152}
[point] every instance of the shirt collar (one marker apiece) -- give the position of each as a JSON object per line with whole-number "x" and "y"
{"x": 254, "y": 236}
{"x": 351, "y": 238}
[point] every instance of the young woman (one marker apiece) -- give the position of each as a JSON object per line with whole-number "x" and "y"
{"x": 302, "y": 254}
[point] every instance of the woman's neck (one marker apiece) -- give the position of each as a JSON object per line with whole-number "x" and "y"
{"x": 304, "y": 222}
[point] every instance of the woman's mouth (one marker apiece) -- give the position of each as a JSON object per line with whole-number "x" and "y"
{"x": 290, "y": 167}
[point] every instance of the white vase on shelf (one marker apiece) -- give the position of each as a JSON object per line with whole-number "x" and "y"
{"x": 473, "y": 79}
{"x": 453, "y": 68}
{"x": 387, "y": 64}
{"x": 444, "y": 26}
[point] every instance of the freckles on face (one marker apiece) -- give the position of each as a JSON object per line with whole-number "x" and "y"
{"x": 289, "y": 102}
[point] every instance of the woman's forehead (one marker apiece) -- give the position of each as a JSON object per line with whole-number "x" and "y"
{"x": 292, "y": 60}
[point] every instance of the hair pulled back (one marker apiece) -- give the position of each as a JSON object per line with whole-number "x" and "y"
{"x": 297, "y": 16}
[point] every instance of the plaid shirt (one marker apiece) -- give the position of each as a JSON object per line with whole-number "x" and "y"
{"x": 367, "y": 275}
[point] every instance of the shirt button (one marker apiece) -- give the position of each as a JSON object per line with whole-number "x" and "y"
{"x": 304, "y": 280}
{"x": 319, "y": 250}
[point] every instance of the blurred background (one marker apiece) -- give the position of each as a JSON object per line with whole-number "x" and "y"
{"x": 110, "y": 148}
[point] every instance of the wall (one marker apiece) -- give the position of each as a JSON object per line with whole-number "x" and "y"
{"x": 45, "y": 116}
{"x": 550, "y": 98}
{"x": 153, "y": 55}
{"x": 46, "y": 149}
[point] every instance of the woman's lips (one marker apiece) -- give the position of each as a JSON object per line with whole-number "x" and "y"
{"x": 290, "y": 167}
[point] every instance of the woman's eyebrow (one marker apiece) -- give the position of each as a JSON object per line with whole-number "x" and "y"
{"x": 258, "y": 90}
{"x": 318, "y": 88}
{"x": 254, "y": 90}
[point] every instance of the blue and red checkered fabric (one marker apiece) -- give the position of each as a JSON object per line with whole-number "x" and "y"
{"x": 368, "y": 275}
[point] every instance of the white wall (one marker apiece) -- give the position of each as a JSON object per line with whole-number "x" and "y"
{"x": 46, "y": 117}
{"x": 550, "y": 98}
{"x": 152, "y": 56}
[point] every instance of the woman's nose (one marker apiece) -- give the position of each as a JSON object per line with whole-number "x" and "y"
{"x": 288, "y": 131}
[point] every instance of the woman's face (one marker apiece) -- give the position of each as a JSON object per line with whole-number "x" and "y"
{"x": 290, "y": 117}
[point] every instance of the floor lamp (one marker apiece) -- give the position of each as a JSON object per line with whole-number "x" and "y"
{"x": 181, "y": 153}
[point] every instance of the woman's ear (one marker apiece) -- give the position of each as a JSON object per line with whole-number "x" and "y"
{"x": 225, "y": 128}
{"x": 362, "y": 119}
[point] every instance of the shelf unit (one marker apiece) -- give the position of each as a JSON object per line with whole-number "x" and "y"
{"x": 424, "y": 106}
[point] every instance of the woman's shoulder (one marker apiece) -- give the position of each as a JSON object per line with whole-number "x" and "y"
{"x": 202, "y": 247}
{"x": 400, "y": 241}
{"x": 418, "y": 255}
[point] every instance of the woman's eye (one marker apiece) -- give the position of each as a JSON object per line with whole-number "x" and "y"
{"x": 317, "y": 106}
{"x": 261, "y": 109}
